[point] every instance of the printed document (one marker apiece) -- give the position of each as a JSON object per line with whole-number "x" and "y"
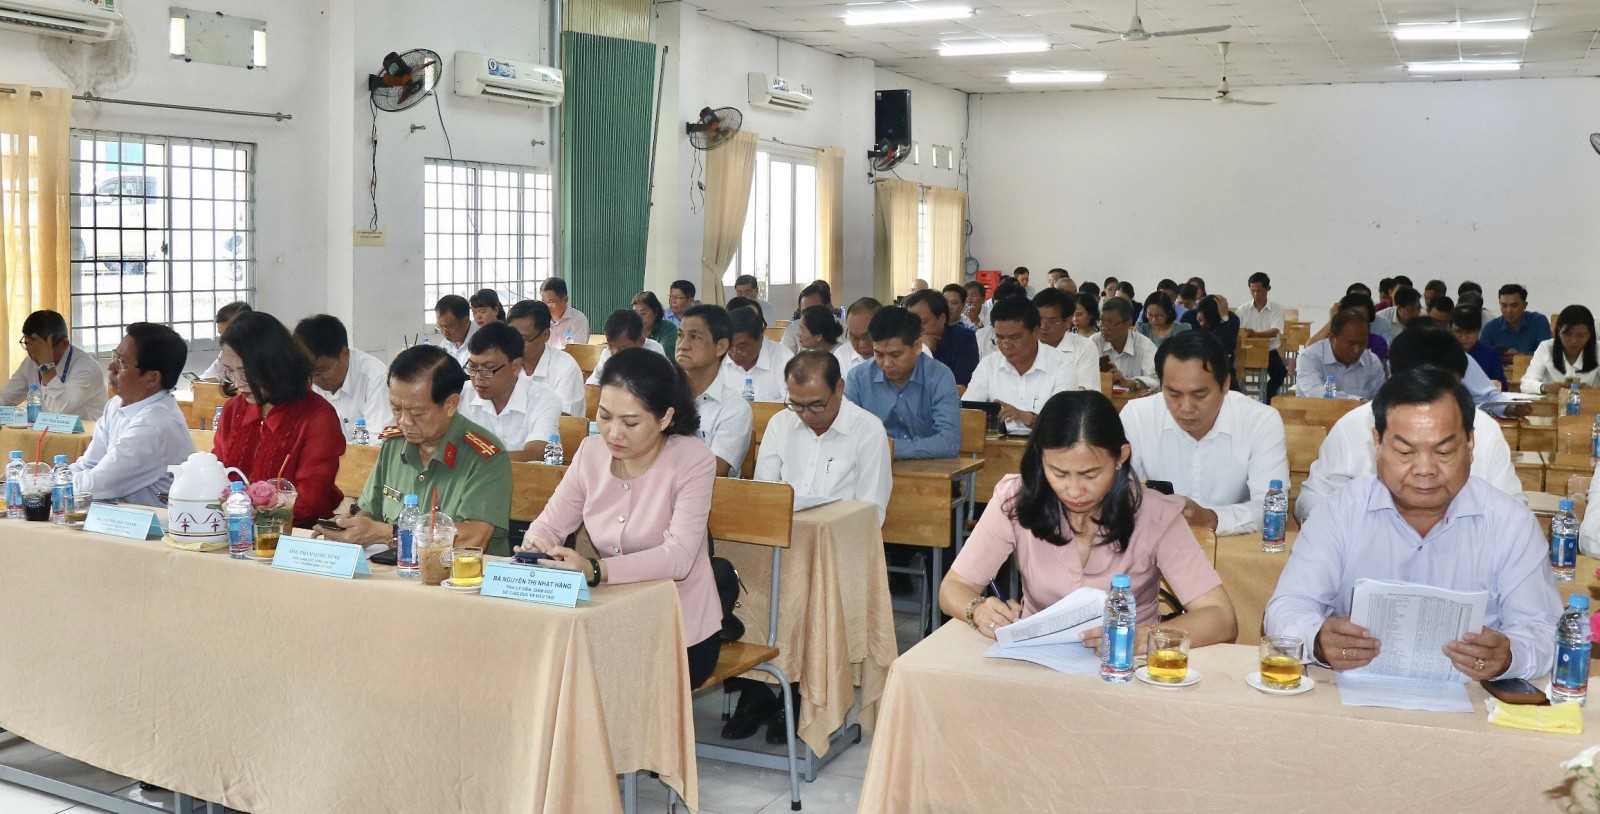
{"x": 1413, "y": 622}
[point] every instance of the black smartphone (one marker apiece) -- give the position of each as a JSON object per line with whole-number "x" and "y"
{"x": 328, "y": 524}
{"x": 1162, "y": 486}
{"x": 531, "y": 557}
{"x": 384, "y": 557}
{"x": 1516, "y": 691}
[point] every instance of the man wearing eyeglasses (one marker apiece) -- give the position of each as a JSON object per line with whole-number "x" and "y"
{"x": 552, "y": 367}
{"x": 824, "y": 446}
{"x": 1026, "y": 372}
{"x": 520, "y": 412}
{"x": 70, "y": 379}
{"x": 725, "y": 417}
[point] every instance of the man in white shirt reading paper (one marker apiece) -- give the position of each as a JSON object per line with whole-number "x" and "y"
{"x": 1219, "y": 448}
{"x": 824, "y": 446}
{"x": 143, "y": 429}
{"x": 1026, "y": 372}
{"x": 1423, "y": 519}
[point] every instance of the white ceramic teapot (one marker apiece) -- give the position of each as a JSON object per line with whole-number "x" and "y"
{"x": 194, "y": 501}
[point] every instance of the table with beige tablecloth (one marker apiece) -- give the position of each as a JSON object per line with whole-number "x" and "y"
{"x": 836, "y": 625}
{"x": 71, "y": 445}
{"x": 272, "y": 691}
{"x": 961, "y": 733}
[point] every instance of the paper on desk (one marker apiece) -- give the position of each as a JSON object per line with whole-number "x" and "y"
{"x": 1514, "y": 395}
{"x": 1063, "y": 622}
{"x": 1358, "y": 689}
{"x": 1066, "y": 657}
{"x": 1413, "y": 623}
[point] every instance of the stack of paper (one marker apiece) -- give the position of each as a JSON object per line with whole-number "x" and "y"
{"x": 1413, "y": 623}
{"x": 1053, "y": 637}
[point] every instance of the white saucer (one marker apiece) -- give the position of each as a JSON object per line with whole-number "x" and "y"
{"x": 1193, "y": 678}
{"x": 253, "y": 558}
{"x": 1307, "y": 684}
{"x": 450, "y": 585}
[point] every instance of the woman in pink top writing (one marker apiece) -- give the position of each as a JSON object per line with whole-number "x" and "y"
{"x": 642, "y": 488}
{"x": 1076, "y": 516}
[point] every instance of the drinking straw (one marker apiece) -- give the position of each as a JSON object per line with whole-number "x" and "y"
{"x": 433, "y": 516}
{"x": 38, "y": 449}
{"x": 285, "y": 464}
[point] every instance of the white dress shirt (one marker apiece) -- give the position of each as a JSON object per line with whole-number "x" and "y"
{"x": 131, "y": 448}
{"x": 1136, "y": 360}
{"x": 996, "y": 379}
{"x": 1227, "y": 471}
{"x": 213, "y": 371}
{"x": 1486, "y": 542}
{"x": 1317, "y": 362}
{"x": 573, "y": 326}
{"x": 560, "y": 372}
{"x": 766, "y": 374}
{"x": 1084, "y": 357}
{"x": 847, "y": 356}
{"x": 1542, "y": 370}
{"x": 1269, "y": 318}
{"x": 1486, "y": 393}
{"x": 1349, "y": 453}
{"x": 791, "y": 336}
{"x": 985, "y": 337}
{"x": 605, "y": 355}
{"x": 457, "y": 350}
{"x": 79, "y": 386}
{"x": 364, "y": 394}
{"x": 725, "y": 420}
{"x": 848, "y": 462}
{"x": 533, "y": 413}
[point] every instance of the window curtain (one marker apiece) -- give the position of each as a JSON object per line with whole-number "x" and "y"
{"x": 830, "y": 218}
{"x": 895, "y": 217}
{"x": 947, "y": 209}
{"x": 35, "y": 206}
{"x": 729, "y": 170}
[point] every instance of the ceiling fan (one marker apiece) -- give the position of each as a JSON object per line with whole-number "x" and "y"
{"x": 1223, "y": 95}
{"x": 1136, "y": 32}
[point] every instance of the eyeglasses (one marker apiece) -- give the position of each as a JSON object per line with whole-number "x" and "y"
{"x": 814, "y": 408}
{"x": 232, "y": 375}
{"x": 476, "y": 371}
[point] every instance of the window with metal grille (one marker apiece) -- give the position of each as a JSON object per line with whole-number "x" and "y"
{"x": 779, "y": 243}
{"x": 163, "y": 230}
{"x": 484, "y": 226}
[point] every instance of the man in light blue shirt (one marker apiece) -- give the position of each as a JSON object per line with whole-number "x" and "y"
{"x": 1344, "y": 356}
{"x": 1423, "y": 519}
{"x": 912, "y": 394}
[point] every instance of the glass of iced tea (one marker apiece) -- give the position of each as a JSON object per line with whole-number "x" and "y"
{"x": 268, "y": 528}
{"x": 466, "y": 565}
{"x": 1280, "y": 662}
{"x": 1168, "y": 650}
{"x": 434, "y": 552}
{"x": 78, "y": 512}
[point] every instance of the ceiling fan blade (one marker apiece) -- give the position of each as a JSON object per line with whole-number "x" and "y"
{"x": 1184, "y": 32}
{"x": 1235, "y": 101}
{"x": 1183, "y": 99}
{"x": 1096, "y": 29}
{"x": 1113, "y": 39}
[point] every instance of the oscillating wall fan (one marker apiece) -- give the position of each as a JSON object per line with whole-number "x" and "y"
{"x": 887, "y": 156}
{"x": 714, "y": 127}
{"x": 405, "y": 79}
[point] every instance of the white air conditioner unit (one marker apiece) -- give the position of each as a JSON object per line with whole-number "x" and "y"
{"x": 86, "y": 20}
{"x": 501, "y": 80}
{"x": 778, "y": 93}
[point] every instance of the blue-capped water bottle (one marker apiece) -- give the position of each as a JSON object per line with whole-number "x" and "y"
{"x": 1594, "y": 441}
{"x": 1574, "y": 400}
{"x": 554, "y": 455}
{"x": 60, "y": 491}
{"x": 14, "y": 469}
{"x": 1330, "y": 387}
{"x": 35, "y": 403}
{"x": 216, "y": 418}
{"x": 406, "y": 526}
{"x": 1119, "y": 623}
{"x": 1569, "y": 681}
{"x": 749, "y": 391}
{"x": 240, "y": 514}
{"x": 1274, "y": 518}
{"x": 1564, "y": 542}
{"x": 360, "y": 436}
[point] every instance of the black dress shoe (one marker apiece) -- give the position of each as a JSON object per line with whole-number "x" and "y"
{"x": 754, "y": 709}
{"x": 776, "y": 730}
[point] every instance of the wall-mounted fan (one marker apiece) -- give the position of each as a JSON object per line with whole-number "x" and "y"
{"x": 714, "y": 127}
{"x": 405, "y": 79}
{"x": 886, "y": 157}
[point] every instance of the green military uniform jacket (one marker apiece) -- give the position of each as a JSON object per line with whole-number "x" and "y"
{"x": 470, "y": 470}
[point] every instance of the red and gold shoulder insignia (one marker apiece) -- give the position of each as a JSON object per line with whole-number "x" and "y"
{"x": 480, "y": 444}
{"x": 390, "y": 431}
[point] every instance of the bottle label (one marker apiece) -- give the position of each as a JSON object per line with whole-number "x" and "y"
{"x": 1594, "y": 451}
{"x": 1563, "y": 550}
{"x": 407, "y": 546}
{"x": 61, "y": 496}
{"x": 13, "y": 494}
{"x": 1572, "y": 667}
{"x": 1119, "y": 647}
{"x": 241, "y": 531}
{"x": 1272, "y": 526}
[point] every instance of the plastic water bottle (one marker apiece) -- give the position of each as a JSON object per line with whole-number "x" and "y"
{"x": 1274, "y": 518}
{"x": 241, "y": 517}
{"x": 1574, "y": 400}
{"x": 61, "y": 491}
{"x": 35, "y": 403}
{"x": 216, "y": 419}
{"x": 554, "y": 455}
{"x": 749, "y": 389}
{"x": 1564, "y": 543}
{"x": 1330, "y": 387}
{"x": 1569, "y": 681}
{"x": 1594, "y": 441}
{"x": 359, "y": 436}
{"x": 594, "y": 428}
{"x": 405, "y": 532}
{"x": 14, "y": 468}
{"x": 1120, "y": 622}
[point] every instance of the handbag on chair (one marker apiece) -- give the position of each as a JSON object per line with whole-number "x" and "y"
{"x": 728, "y": 588}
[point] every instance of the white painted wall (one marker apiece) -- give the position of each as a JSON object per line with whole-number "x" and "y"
{"x": 1489, "y": 181}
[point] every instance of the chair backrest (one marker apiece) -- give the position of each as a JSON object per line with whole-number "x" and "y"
{"x": 588, "y": 356}
{"x": 974, "y": 425}
{"x": 761, "y": 412}
{"x": 1253, "y": 353}
{"x": 774, "y": 333}
{"x": 204, "y": 440}
{"x": 598, "y": 340}
{"x": 780, "y": 323}
{"x": 532, "y": 484}
{"x": 207, "y": 395}
{"x": 355, "y": 467}
{"x": 1291, "y": 314}
{"x": 591, "y": 400}
{"x": 1303, "y": 441}
{"x": 1105, "y": 382}
{"x": 1573, "y": 434}
{"x": 573, "y": 431}
{"x": 1316, "y": 412}
{"x": 1296, "y": 335}
{"x": 1519, "y": 367}
{"x": 752, "y": 511}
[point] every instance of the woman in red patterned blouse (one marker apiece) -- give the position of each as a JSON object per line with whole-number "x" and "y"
{"x": 276, "y": 424}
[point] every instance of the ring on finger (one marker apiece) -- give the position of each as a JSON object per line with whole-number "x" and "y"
{"x": 1479, "y": 665}
{"x": 1344, "y": 652}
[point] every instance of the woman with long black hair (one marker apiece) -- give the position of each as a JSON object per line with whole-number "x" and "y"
{"x": 1567, "y": 357}
{"x": 1077, "y": 515}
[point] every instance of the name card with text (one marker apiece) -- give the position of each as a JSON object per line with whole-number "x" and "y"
{"x": 13, "y": 417}
{"x": 58, "y": 422}
{"x": 321, "y": 557}
{"x": 526, "y": 583}
{"x": 122, "y": 521}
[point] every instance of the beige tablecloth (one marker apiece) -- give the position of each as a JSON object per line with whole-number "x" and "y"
{"x": 961, "y": 733}
{"x": 836, "y": 625}
{"x": 272, "y": 691}
{"x": 71, "y": 445}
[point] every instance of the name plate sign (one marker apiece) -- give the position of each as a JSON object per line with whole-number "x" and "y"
{"x": 13, "y": 417}
{"x": 324, "y": 558}
{"x": 58, "y": 422}
{"x": 526, "y": 583}
{"x": 122, "y": 521}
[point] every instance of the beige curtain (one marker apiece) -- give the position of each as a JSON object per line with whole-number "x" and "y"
{"x": 947, "y": 209}
{"x": 729, "y": 169}
{"x": 830, "y": 219}
{"x": 895, "y": 259}
{"x": 35, "y": 267}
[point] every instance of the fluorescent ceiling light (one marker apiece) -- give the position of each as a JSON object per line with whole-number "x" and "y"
{"x": 887, "y": 13}
{"x": 1054, "y": 77}
{"x": 974, "y": 48}
{"x": 1454, "y": 32}
{"x": 1465, "y": 66}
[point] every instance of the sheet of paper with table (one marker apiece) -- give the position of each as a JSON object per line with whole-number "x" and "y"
{"x": 1053, "y": 637}
{"x": 1413, "y": 622}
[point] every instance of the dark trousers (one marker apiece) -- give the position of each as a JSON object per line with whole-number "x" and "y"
{"x": 1275, "y": 375}
{"x": 703, "y": 659}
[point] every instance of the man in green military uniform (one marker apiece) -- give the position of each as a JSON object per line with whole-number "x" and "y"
{"x": 433, "y": 448}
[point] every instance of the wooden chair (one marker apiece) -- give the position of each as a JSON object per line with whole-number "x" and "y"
{"x": 1315, "y": 412}
{"x": 573, "y": 430}
{"x": 532, "y": 484}
{"x": 207, "y": 397}
{"x": 1574, "y": 434}
{"x": 1296, "y": 335}
{"x": 1105, "y": 383}
{"x": 591, "y": 400}
{"x": 761, "y": 412}
{"x": 598, "y": 340}
{"x": 755, "y": 513}
{"x": 354, "y": 470}
{"x": 206, "y": 440}
{"x": 1519, "y": 368}
{"x": 1252, "y": 364}
{"x": 1291, "y": 315}
{"x": 974, "y": 432}
{"x": 1302, "y": 441}
{"x": 588, "y": 356}
{"x": 780, "y": 323}
{"x": 775, "y": 333}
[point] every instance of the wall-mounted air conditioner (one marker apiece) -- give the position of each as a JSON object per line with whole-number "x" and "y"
{"x": 86, "y": 20}
{"x": 502, "y": 80}
{"x": 778, "y": 93}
